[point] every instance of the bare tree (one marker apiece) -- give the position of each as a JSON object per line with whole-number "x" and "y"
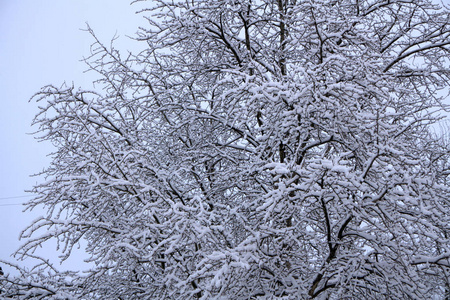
{"x": 256, "y": 150}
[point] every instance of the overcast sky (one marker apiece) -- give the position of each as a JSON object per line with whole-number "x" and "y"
{"x": 41, "y": 43}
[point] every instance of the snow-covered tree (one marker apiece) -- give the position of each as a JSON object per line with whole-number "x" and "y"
{"x": 258, "y": 149}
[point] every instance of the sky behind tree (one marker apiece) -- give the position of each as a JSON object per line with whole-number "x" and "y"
{"x": 41, "y": 43}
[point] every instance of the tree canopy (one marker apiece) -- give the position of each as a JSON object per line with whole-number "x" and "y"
{"x": 257, "y": 149}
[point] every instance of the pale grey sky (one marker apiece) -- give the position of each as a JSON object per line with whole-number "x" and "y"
{"x": 41, "y": 43}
